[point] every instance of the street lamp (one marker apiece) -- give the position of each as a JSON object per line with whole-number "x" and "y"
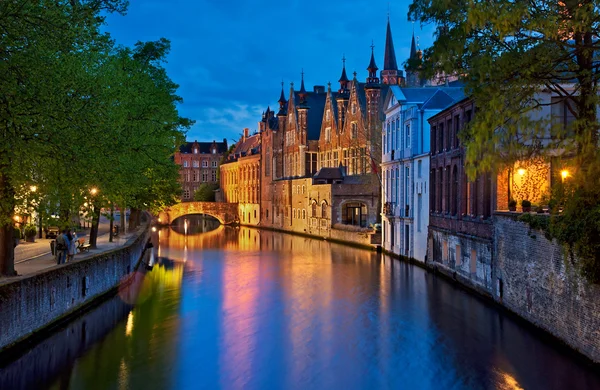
{"x": 93, "y": 191}
{"x": 564, "y": 174}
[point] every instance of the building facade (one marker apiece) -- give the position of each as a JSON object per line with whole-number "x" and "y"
{"x": 199, "y": 163}
{"x": 405, "y": 166}
{"x": 240, "y": 178}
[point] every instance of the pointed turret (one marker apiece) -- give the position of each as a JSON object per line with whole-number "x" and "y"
{"x": 282, "y": 103}
{"x": 302, "y": 94}
{"x": 372, "y": 79}
{"x": 343, "y": 78}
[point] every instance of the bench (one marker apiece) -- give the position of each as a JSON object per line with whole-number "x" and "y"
{"x": 82, "y": 246}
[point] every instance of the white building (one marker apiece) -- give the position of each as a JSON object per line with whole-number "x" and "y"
{"x": 405, "y": 165}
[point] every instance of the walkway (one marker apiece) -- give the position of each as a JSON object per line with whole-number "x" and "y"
{"x": 31, "y": 257}
{"x": 46, "y": 260}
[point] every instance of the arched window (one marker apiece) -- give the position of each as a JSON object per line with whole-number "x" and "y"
{"x": 440, "y": 192}
{"x": 303, "y": 213}
{"x": 448, "y": 187}
{"x": 324, "y": 210}
{"x": 432, "y": 193}
{"x": 454, "y": 190}
{"x": 314, "y": 209}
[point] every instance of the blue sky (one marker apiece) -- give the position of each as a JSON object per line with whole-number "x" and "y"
{"x": 229, "y": 57}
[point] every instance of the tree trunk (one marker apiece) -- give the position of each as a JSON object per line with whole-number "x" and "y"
{"x": 110, "y": 227}
{"x": 7, "y": 251}
{"x": 134, "y": 219}
{"x": 7, "y": 239}
{"x": 94, "y": 229}
{"x": 124, "y": 218}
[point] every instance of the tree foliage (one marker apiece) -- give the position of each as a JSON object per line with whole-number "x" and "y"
{"x": 78, "y": 112}
{"x": 206, "y": 192}
{"x": 512, "y": 55}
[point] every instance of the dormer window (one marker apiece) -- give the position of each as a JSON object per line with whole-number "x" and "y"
{"x": 214, "y": 151}
{"x": 195, "y": 150}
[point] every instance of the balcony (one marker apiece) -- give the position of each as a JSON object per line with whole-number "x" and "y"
{"x": 389, "y": 208}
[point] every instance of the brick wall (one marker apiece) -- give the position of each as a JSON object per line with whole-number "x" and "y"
{"x": 540, "y": 284}
{"x": 465, "y": 258}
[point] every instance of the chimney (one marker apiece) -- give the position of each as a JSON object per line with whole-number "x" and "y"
{"x": 246, "y": 130}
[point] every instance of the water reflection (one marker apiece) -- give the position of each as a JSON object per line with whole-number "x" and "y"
{"x": 241, "y": 308}
{"x": 195, "y": 224}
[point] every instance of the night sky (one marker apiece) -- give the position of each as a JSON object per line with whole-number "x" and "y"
{"x": 229, "y": 57}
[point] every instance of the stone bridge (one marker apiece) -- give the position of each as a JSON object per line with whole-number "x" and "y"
{"x": 226, "y": 213}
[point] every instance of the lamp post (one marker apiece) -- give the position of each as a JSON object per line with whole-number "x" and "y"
{"x": 33, "y": 189}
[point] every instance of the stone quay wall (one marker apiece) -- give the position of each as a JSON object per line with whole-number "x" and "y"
{"x": 31, "y": 303}
{"x": 536, "y": 280}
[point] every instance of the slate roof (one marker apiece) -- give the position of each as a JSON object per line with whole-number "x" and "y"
{"x": 204, "y": 147}
{"x": 329, "y": 174}
{"x": 438, "y": 101}
{"x": 316, "y": 103}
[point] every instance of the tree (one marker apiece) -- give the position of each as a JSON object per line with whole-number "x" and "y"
{"x": 78, "y": 112}
{"x": 508, "y": 53}
{"x": 206, "y": 192}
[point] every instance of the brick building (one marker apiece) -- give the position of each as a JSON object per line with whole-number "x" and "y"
{"x": 199, "y": 163}
{"x": 461, "y": 224}
{"x": 240, "y": 178}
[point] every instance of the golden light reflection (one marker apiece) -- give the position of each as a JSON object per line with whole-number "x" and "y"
{"x": 507, "y": 382}
{"x": 129, "y": 326}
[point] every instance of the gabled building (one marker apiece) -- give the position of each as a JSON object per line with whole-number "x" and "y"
{"x": 199, "y": 163}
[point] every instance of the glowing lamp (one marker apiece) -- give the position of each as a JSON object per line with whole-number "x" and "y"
{"x": 564, "y": 173}
{"x": 94, "y": 191}
{"x": 33, "y": 188}
{"x": 521, "y": 171}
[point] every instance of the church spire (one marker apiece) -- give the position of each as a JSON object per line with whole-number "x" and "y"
{"x": 413, "y": 48}
{"x": 389, "y": 62}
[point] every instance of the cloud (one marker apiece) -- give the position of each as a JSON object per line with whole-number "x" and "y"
{"x": 230, "y": 57}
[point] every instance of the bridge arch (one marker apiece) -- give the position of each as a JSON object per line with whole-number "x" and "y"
{"x": 225, "y": 213}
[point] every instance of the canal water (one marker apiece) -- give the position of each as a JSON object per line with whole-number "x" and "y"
{"x": 239, "y": 308}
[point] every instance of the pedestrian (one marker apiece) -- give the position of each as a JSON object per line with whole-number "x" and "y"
{"x": 72, "y": 245}
{"x": 61, "y": 247}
